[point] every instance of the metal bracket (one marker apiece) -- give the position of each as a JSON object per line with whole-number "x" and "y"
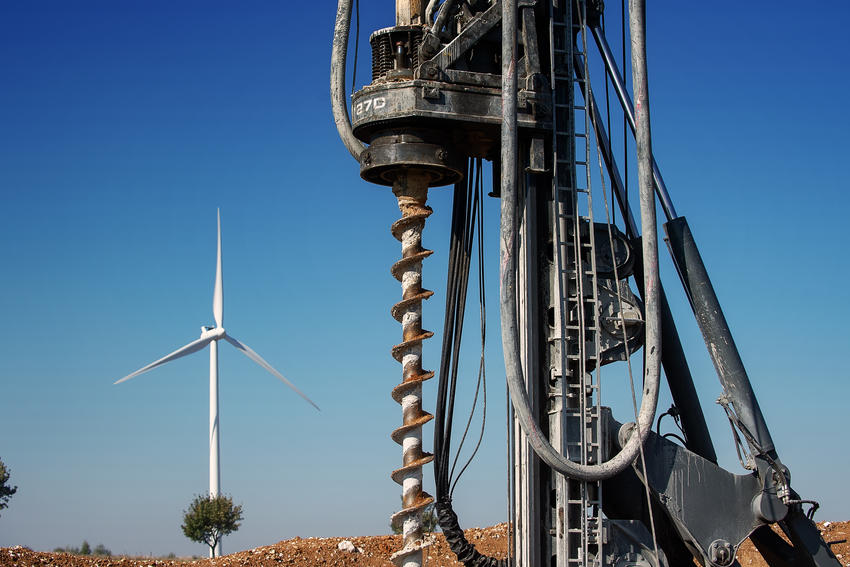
{"x": 711, "y": 509}
{"x": 477, "y": 29}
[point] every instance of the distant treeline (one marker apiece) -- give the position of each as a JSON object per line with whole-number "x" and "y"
{"x": 85, "y": 549}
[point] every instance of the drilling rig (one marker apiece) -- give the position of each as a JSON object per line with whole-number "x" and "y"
{"x": 460, "y": 83}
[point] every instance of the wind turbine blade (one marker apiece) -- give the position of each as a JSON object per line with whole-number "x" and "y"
{"x": 218, "y": 300}
{"x": 247, "y": 351}
{"x": 194, "y": 346}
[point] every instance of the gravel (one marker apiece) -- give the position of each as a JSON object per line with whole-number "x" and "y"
{"x": 364, "y": 551}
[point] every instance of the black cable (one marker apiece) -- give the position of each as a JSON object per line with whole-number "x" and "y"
{"x": 674, "y": 436}
{"x": 745, "y": 458}
{"x": 625, "y": 122}
{"x": 607, "y": 122}
{"x": 469, "y": 227}
{"x": 467, "y": 208}
{"x": 481, "y": 384}
{"x": 467, "y": 202}
{"x": 674, "y": 413}
{"x": 356, "y": 43}
{"x": 456, "y": 284}
{"x": 442, "y": 430}
{"x": 441, "y": 453}
{"x": 814, "y": 506}
{"x": 754, "y": 445}
{"x": 465, "y": 551}
{"x": 658, "y": 423}
{"x": 461, "y": 281}
{"x": 339, "y": 99}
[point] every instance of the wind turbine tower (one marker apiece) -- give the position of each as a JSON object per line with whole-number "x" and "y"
{"x": 210, "y": 336}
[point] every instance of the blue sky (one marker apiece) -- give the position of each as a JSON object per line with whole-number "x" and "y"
{"x": 123, "y": 126}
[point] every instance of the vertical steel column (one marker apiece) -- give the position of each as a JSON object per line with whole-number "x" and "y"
{"x": 528, "y": 472}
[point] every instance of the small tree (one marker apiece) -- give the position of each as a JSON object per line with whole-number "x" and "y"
{"x": 85, "y": 549}
{"x": 209, "y": 518}
{"x": 6, "y": 489}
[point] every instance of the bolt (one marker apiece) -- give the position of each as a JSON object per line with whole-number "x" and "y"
{"x": 721, "y": 553}
{"x": 400, "y": 55}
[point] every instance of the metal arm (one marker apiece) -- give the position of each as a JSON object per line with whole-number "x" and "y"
{"x": 628, "y": 108}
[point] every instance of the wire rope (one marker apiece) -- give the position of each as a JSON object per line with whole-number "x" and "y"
{"x": 608, "y": 223}
{"x": 628, "y": 360}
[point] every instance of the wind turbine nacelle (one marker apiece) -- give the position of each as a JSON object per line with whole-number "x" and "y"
{"x": 213, "y": 333}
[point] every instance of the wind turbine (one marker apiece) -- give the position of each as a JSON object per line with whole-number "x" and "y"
{"x": 210, "y": 336}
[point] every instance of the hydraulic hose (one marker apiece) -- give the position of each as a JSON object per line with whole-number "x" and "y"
{"x": 339, "y": 102}
{"x": 509, "y": 230}
{"x": 460, "y": 546}
{"x": 442, "y": 16}
{"x": 430, "y": 9}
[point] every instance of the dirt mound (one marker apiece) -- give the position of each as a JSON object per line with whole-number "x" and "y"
{"x": 364, "y": 551}
{"x": 835, "y": 534}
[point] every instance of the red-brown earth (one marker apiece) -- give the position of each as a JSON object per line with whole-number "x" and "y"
{"x": 370, "y": 551}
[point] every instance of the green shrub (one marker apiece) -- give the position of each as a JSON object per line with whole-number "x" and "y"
{"x": 211, "y": 517}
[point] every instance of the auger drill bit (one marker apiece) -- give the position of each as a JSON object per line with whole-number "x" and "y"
{"x": 411, "y": 189}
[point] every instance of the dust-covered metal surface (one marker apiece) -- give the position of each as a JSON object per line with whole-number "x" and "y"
{"x": 411, "y": 189}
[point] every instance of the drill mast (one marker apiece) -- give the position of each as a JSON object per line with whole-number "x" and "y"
{"x": 455, "y": 82}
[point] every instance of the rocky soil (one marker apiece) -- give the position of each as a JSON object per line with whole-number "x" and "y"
{"x": 364, "y": 551}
